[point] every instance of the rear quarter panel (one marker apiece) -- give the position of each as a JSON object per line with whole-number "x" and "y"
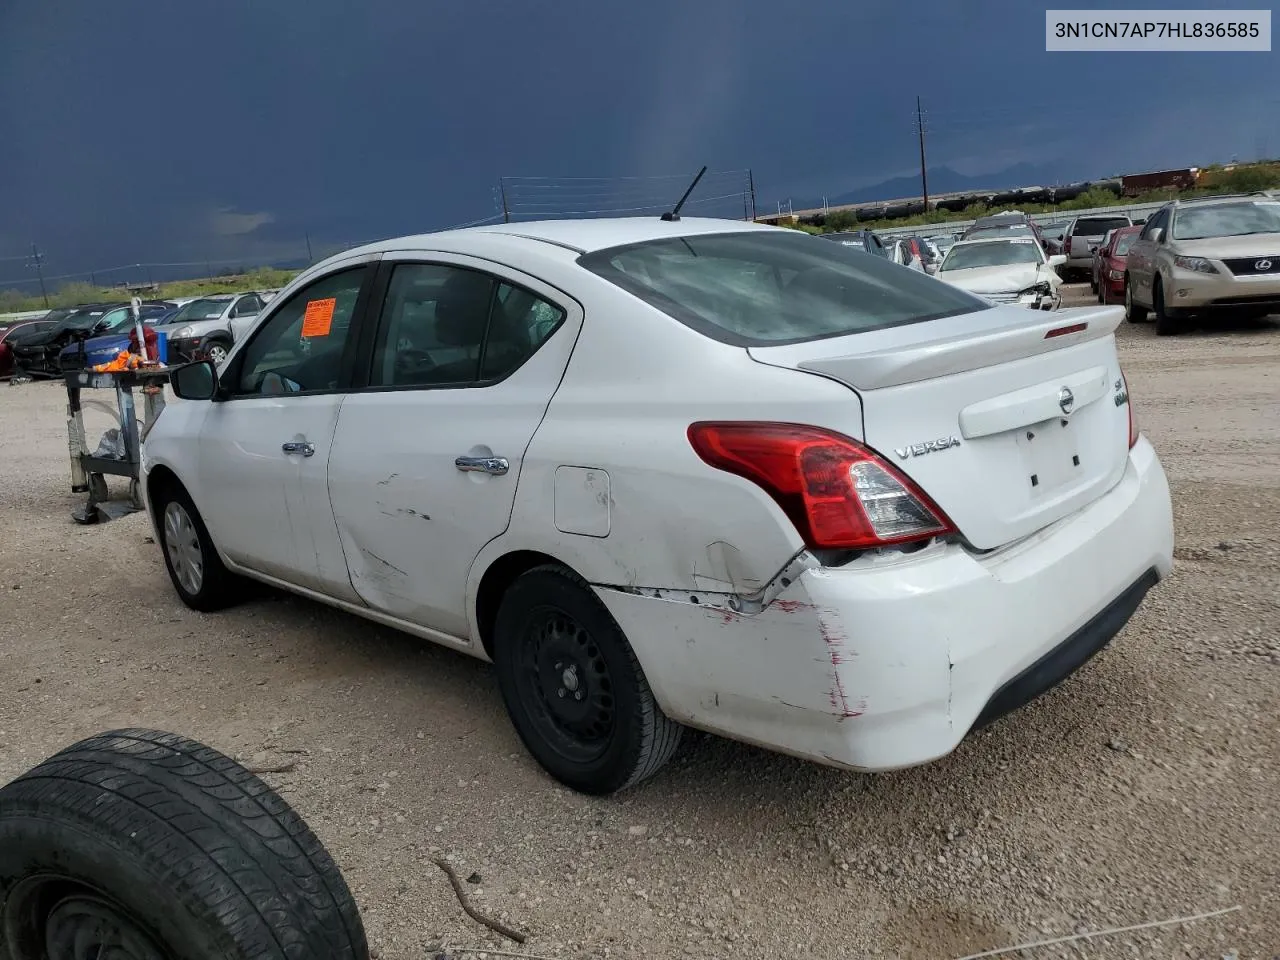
{"x": 636, "y": 381}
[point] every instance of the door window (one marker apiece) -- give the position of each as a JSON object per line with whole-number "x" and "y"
{"x": 301, "y": 345}
{"x": 1156, "y": 221}
{"x": 246, "y": 307}
{"x": 450, "y": 326}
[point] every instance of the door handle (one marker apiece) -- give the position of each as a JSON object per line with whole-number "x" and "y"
{"x": 495, "y": 466}
{"x": 306, "y": 449}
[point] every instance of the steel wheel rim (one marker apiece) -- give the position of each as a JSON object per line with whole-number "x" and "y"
{"x": 566, "y": 687}
{"x": 85, "y": 927}
{"x": 182, "y": 543}
{"x": 51, "y": 917}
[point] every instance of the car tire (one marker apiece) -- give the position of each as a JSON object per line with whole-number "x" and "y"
{"x": 216, "y": 349}
{"x": 197, "y": 572}
{"x": 555, "y": 639}
{"x": 1168, "y": 323}
{"x": 1132, "y": 312}
{"x": 141, "y": 844}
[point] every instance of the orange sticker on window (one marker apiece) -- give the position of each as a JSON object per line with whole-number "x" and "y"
{"x": 319, "y": 317}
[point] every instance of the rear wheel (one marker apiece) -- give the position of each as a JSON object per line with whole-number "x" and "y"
{"x": 1168, "y": 322}
{"x": 573, "y": 687}
{"x": 1133, "y": 313}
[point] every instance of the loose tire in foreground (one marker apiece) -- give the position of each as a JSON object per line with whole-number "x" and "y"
{"x": 140, "y": 845}
{"x": 573, "y": 687}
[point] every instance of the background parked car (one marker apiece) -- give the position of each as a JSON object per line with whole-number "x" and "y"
{"x": 1082, "y": 236}
{"x": 114, "y": 337}
{"x": 1113, "y": 255}
{"x": 207, "y": 327}
{"x": 37, "y": 355}
{"x": 1207, "y": 256}
{"x": 862, "y": 239}
{"x": 900, "y": 252}
{"x": 19, "y": 332}
{"x": 1011, "y": 270}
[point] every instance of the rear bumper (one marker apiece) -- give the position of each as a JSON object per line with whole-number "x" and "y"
{"x": 890, "y": 662}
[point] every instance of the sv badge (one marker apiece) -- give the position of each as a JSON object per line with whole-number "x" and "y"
{"x": 929, "y": 446}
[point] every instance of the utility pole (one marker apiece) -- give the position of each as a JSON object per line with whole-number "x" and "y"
{"x": 37, "y": 261}
{"x": 310, "y": 258}
{"x": 751, "y": 184}
{"x": 924, "y": 176}
{"x": 506, "y": 213}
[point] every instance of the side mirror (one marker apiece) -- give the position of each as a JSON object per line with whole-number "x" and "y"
{"x": 1057, "y": 260}
{"x": 195, "y": 381}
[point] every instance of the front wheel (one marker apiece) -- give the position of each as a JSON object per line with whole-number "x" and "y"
{"x": 1132, "y": 312}
{"x": 573, "y": 687}
{"x": 1168, "y": 323}
{"x": 217, "y": 350}
{"x": 198, "y": 574}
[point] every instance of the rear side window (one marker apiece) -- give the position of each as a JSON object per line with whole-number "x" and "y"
{"x": 767, "y": 288}
{"x": 1097, "y": 226}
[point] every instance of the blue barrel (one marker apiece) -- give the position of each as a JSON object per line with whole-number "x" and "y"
{"x": 162, "y": 347}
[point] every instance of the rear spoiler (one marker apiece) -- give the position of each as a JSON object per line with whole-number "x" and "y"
{"x": 940, "y": 358}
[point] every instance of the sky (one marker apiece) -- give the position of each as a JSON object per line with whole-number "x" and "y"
{"x": 178, "y": 132}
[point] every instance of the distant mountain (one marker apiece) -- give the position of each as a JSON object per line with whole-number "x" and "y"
{"x": 945, "y": 180}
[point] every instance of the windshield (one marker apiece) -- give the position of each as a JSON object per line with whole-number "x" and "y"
{"x": 995, "y": 253}
{"x": 79, "y": 320}
{"x": 981, "y": 233}
{"x": 1226, "y": 220}
{"x": 1123, "y": 244}
{"x": 200, "y": 310}
{"x": 1098, "y": 226}
{"x": 766, "y": 288}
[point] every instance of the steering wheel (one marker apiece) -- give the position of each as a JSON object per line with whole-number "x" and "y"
{"x": 411, "y": 360}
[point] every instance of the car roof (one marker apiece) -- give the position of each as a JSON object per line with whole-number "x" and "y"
{"x": 581, "y": 236}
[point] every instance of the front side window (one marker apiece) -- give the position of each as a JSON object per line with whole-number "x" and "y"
{"x": 301, "y": 345}
{"x": 443, "y": 325}
{"x": 768, "y": 288}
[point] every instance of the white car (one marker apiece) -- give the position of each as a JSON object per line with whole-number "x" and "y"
{"x": 1012, "y": 270}
{"x": 697, "y": 473}
{"x": 899, "y": 252}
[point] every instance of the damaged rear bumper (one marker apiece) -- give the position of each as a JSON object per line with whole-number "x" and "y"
{"x": 890, "y": 661}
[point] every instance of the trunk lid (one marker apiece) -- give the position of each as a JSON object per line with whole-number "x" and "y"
{"x": 1006, "y": 424}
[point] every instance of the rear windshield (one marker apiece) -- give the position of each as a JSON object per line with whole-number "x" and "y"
{"x": 774, "y": 287}
{"x": 1097, "y": 226}
{"x": 976, "y": 233}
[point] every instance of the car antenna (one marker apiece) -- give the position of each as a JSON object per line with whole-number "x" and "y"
{"x": 674, "y": 213}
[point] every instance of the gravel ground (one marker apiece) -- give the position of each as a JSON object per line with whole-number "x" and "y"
{"x": 1143, "y": 788}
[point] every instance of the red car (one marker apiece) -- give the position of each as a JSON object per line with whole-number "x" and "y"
{"x": 1111, "y": 263}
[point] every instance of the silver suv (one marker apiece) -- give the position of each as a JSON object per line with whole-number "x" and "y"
{"x": 208, "y": 326}
{"x": 1212, "y": 255}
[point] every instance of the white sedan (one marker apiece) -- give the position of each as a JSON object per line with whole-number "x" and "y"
{"x": 1006, "y": 270}
{"x": 664, "y": 474}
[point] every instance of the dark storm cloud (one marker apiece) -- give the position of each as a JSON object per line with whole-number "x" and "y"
{"x": 157, "y": 130}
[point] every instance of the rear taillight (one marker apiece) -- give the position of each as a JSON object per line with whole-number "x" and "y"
{"x": 838, "y": 493}
{"x": 1134, "y": 433}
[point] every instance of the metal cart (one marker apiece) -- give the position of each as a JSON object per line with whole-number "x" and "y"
{"x": 91, "y": 467}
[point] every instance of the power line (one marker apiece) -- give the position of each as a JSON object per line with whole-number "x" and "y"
{"x": 37, "y": 261}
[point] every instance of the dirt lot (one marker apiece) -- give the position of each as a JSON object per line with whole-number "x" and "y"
{"x": 1144, "y": 788}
